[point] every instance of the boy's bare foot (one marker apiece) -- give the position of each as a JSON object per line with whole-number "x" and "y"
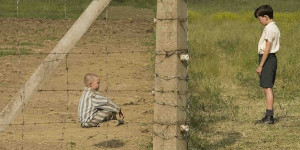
{"x": 120, "y": 122}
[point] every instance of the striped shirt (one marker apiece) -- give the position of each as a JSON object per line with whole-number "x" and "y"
{"x": 91, "y": 102}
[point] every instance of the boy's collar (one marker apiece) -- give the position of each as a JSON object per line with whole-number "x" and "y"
{"x": 88, "y": 89}
{"x": 272, "y": 22}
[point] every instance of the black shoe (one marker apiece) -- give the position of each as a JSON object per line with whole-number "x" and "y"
{"x": 267, "y": 120}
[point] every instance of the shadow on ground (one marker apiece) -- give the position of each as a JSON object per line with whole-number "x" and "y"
{"x": 229, "y": 139}
{"x": 110, "y": 144}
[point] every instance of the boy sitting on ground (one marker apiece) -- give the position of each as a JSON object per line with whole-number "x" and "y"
{"x": 94, "y": 108}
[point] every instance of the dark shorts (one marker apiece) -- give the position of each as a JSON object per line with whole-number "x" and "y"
{"x": 268, "y": 73}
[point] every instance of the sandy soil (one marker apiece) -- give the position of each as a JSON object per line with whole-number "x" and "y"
{"x": 129, "y": 81}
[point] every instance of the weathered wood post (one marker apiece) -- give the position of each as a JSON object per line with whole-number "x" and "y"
{"x": 170, "y": 75}
{"x": 44, "y": 71}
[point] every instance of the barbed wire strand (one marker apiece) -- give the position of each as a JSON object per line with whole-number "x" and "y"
{"x": 81, "y": 53}
{"x": 67, "y": 83}
{"x": 67, "y": 102}
{"x": 187, "y": 83}
{"x": 167, "y": 124}
{"x": 107, "y": 69}
{"x": 75, "y": 122}
{"x": 20, "y": 75}
{"x": 80, "y": 90}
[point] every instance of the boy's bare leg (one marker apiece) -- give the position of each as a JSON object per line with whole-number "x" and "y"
{"x": 268, "y": 119}
{"x": 270, "y": 98}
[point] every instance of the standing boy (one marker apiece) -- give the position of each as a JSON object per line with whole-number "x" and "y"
{"x": 94, "y": 108}
{"x": 267, "y": 47}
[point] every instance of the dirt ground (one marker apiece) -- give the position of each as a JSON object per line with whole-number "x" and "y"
{"x": 127, "y": 76}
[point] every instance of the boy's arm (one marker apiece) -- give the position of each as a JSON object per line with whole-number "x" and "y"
{"x": 111, "y": 106}
{"x": 102, "y": 102}
{"x": 264, "y": 57}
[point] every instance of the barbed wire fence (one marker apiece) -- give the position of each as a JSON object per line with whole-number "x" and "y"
{"x": 107, "y": 69}
{"x": 67, "y": 81}
{"x": 20, "y": 73}
{"x": 107, "y": 90}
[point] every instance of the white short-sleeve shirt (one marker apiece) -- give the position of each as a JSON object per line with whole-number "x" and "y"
{"x": 271, "y": 33}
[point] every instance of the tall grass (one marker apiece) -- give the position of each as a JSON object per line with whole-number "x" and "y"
{"x": 225, "y": 94}
{"x": 137, "y": 3}
{"x": 212, "y": 6}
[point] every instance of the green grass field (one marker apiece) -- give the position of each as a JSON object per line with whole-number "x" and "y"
{"x": 56, "y": 9}
{"x": 225, "y": 97}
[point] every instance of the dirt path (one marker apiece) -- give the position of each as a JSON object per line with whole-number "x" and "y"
{"x": 129, "y": 81}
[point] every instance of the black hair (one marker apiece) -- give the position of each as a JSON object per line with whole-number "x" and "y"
{"x": 264, "y": 10}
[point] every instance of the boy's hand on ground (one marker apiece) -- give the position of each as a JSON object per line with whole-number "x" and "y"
{"x": 258, "y": 70}
{"x": 121, "y": 115}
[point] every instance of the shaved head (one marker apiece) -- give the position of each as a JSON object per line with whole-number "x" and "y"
{"x": 88, "y": 78}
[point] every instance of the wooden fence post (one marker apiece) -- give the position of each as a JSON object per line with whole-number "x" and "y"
{"x": 170, "y": 75}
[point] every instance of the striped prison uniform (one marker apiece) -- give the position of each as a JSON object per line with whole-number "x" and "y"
{"x": 94, "y": 109}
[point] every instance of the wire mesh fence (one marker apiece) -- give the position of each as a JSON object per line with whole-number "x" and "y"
{"x": 120, "y": 50}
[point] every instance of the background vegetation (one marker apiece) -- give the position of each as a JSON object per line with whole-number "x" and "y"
{"x": 225, "y": 96}
{"x": 55, "y": 9}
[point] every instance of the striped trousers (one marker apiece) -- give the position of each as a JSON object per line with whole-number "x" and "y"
{"x": 100, "y": 116}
